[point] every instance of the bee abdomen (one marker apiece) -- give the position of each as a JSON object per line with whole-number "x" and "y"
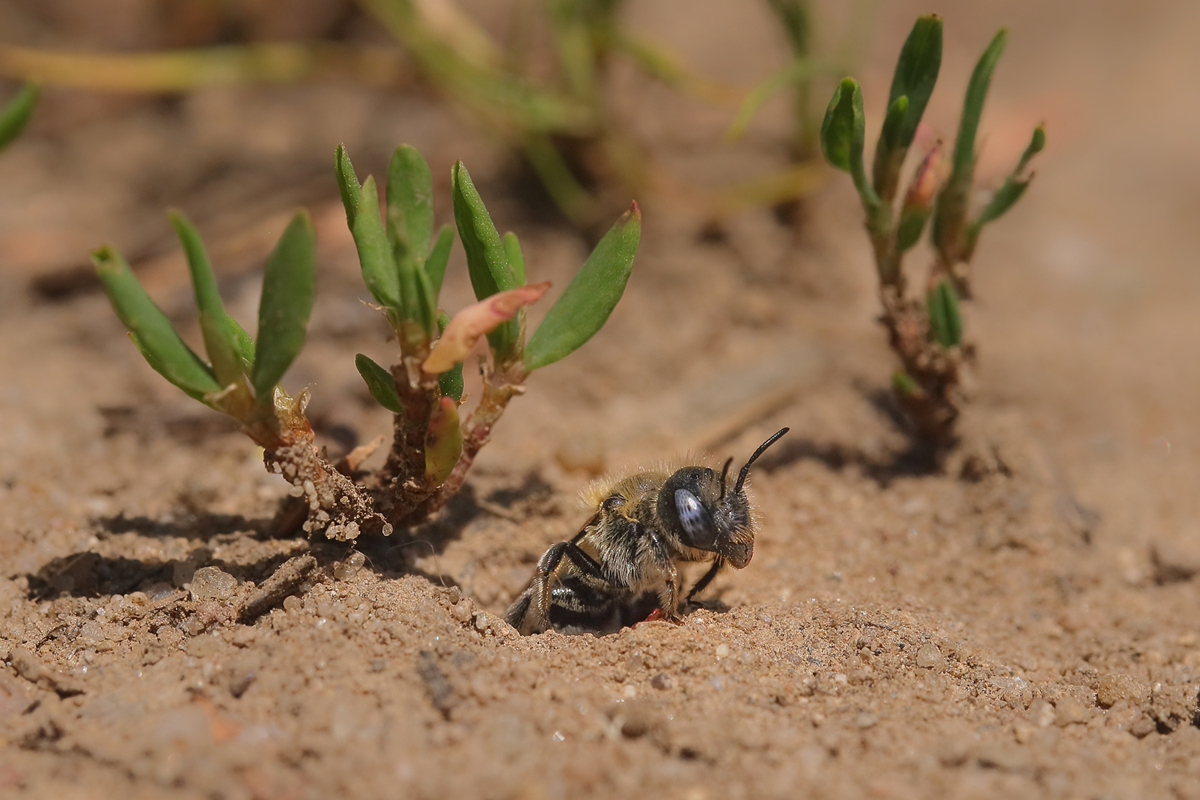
{"x": 573, "y": 592}
{"x": 578, "y": 605}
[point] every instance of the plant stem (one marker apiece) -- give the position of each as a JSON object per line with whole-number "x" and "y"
{"x": 400, "y": 485}
{"x": 334, "y": 502}
{"x": 498, "y": 390}
{"x": 939, "y": 374}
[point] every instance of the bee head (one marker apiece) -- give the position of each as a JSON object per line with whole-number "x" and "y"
{"x": 705, "y": 513}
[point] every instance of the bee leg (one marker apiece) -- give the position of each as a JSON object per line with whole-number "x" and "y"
{"x": 518, "y": 613}
{"x": 539, "y": 606}
{"x": 530, "y": 613}
{"x": 703, "y": 583}
{"x": 547, "y": 568}
{"x": 668, "y": 596}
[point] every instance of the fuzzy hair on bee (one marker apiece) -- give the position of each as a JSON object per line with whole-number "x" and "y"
{"x": 624, "y": 563}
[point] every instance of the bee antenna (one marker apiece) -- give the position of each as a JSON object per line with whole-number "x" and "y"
{"x": 737, "y": 487}
{"x": 724, "y": 473}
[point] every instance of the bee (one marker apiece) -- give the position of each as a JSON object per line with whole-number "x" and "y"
{"x": 623, "y": 564}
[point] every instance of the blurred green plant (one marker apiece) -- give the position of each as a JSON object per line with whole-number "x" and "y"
{"x": 555, "y": 112}
{"x": 801, "y": 74}
{"x": 927, "y": 333}
{"x": 15, "y": 114}
{"x": 563, "y": 125}
{"x": 187, "y": 69}
{"x": 403, "y": 263}
{"x": 561, "y": 122}
{"x": 805, "y": 74}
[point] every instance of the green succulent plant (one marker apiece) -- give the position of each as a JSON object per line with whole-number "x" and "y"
{"x": 403, "y": 264}
{"x": 403, "y": 257}
{"x": 927, "y": 333}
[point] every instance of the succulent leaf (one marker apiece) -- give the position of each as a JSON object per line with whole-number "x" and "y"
{"x": 289, "y": 283}
{"x": 475, "y": 321}
{"x": 348, "y": 184}
{"x": 512, "y": 248}
{"x": 410, "y": 201}
{"x": 915, "y": 76}
{"x": 379, "y": 383}
{"x": 487, "y": 261}
{"x": 945, "y": 322}
{"x": 443, "y": 441}
{"x": 150, "y": 330}
{"x": 220, "y": 338}
{"x": 591, "y": 296}
{"x": 439, "y": 256}
{"x": 842, "y": 137}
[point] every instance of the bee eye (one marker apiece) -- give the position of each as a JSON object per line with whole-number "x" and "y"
{"x": 697, "y": 525}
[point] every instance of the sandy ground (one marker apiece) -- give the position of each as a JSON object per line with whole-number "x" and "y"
{"x": 899, "y": 633}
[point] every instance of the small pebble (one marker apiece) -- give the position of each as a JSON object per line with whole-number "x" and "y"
{"x": 26, "y": 664}
{"x": 349, "y": 566}
{"x": 1024, "y": 733}
{"x": 1122, "y": 715}
{"x": 210, "y": 583}
{"x": 203, "y": 646}
{"x": 1005, "y": 757}
{"x": 1176, "y": 559}
{"x": 865, "y": 719}
{"x": 91, "y": 632}
{"x": 722, "y": 650}
{"x": 240, "y": 682}
{"x": 292, "y": 603}
{"x": 929, "y": 656}
{"x": 157, "y": 591}
{"x": 244, "y": 636}
{"x": 1115, "y": 687}
{"x": 1143, "y": 726}
{"x": 169, "y": 636}
{"x": 463, "y": 610}
{"x": 636, "y": 718}
{"x": 661, "y": 681}
{"x": 1069, "y": 711}
{"x": 1041, "y": 713}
